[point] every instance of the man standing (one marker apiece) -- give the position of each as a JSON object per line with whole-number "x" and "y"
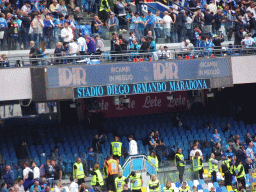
{"x": 78, "y": 171}
{"x": 9, "y": 176}
{"x": 116, "y": 148}
{"x": 66, "y": 33}
{"x": 96, "y": 145}
{"x": 112, "y": 23}
{"x": 157, "y": 24}
{"x": 36, "y": 171}
{"x": 150, "y": 20}
{"x": 136, "y": 181}
{"x": 240, "y": 173}
{"x": 112, "y": 167}
{"x": 133, "y": 148}
{"x": 249, "y": 152}
{"x": 120, "y": 181}
{"x": 26, "y": 171}
{"x": 180, "y": 23}
{"x": 81, "y": 44}
{"x": 213, "y": 167}
{"x": 167, "y": 20}
{"x": 56, "y": 171}
{"x": 104, "y": 10}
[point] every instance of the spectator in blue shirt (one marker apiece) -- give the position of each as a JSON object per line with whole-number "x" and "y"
{"x": 9, "y": 176}
{"x": 4, "y": 187}
{"x": 91, "y": 44}
{"x": 38, "y": 7}
{"x": 150, "y": 20}
{"x": 249, "y": 152}
{"x": 35, "y": 186}
{"x": 215, "y": 137}
{"x": 152, "y": 44}
{"x": 3, "y": 25}
{"x": 254, "y": 143}
{"x": 90, "y": 159}
{"x": 48, "y": 31}
{"x": 228, "y": 152}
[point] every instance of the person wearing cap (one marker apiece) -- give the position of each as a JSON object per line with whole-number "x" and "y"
{"x": 184, "y": 46}
{"x": 112, "y": 23}
{"x": 230, "y": 24}
{"x": 150, "y": 20}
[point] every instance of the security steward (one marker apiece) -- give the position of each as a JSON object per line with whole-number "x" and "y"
{"x": 78, "y": 171}
{"x": 154, "y": 184}
{"x": 184, "y": 187}
{"x": 136, "y": 181}
{"x": 168, "y": 187}
{"x": 153, "y": 159}
{"x": 105, "y": 173}
{"x": 116, "y": 148}
{"x": 104, "y": 10}
{"x": 213, "y": 167}
{"x": 240, "y": 173}
{"x": 112, "y": 167}
{"x": 120, "y": 181}
{"x": 180, "y": 163}
{"x": 97, "y": 181}
{"x": 197, "y": 165}
{"x": 227, "y": 169}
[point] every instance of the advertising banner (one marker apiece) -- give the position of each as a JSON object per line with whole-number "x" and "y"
{"x": 243, "y": 69}
{"x": 15, "y": 84}
{"x": 143, "y": 104}
{"x": 132, "y": 73}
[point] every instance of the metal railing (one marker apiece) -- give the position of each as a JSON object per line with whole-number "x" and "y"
{"x": 125, "y": 56}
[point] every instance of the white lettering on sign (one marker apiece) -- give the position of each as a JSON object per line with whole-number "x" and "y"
{"x": 208, "y": 64}
{"x": 167, "y": 70}
{"x": 151, "y": 102}
{"x": 121, "y": 107}
{"x": 103, "y": 105}
{"x": 120, "y": 78}
{"x": 177, "y": 102}
{"x": 120, "y": 69}
{"x": 74, "y": 77}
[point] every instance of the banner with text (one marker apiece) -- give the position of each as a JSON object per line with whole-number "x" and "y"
{"x": 141, "y": 88}
{"x": 142, "y": 104}
{"x": 132, "y": 73}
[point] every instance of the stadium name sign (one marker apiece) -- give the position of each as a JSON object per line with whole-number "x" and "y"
{"x": 141, "y": 88}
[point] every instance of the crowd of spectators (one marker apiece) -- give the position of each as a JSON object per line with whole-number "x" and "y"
{"x": 205, "y": 23}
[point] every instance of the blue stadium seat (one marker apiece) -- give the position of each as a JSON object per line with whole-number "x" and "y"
{"x": 216, "y": 184}
{"x": 199, "y": 187}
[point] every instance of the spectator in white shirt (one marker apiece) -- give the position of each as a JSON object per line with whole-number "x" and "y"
{"x": 194, "y": 150}
{"x": 36, "y": 171}
{"x": 26, "y": 8}
{"x": 73, "y": 48}
{"x": 20, "y": 185}
{"x": 184, "y": 45}
{"x": 81, "y": 42}
{"x": 167, "y": 20}
{"x": 66, "y": 33}
{"x": 26, "y": 171}
{"x": 133, "y": 149}
{"x": 73, "y": 185}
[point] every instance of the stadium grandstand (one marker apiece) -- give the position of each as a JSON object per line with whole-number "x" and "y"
{"x": 122, "y": 95}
